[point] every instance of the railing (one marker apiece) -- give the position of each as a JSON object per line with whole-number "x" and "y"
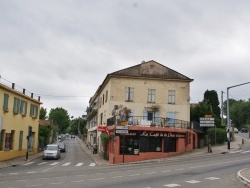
{"x": 154, "y": 122}
{"x": 19, "y": 89}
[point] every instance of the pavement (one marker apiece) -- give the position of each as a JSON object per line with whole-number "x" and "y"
{"x": 243, "y": 175}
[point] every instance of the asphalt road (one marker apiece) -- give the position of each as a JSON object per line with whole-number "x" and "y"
{"x": 76, "y": 169}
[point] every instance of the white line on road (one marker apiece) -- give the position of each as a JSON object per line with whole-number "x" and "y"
{"x": 66, "y": 164}
{"x": 77, "y": 181}
{"x": 98, "y": 179}
{"x": 57, "y": 183}
{"x": 79, "y": 164}
{"x": 135, "y": 175}
{"x": 33, "y": 185}
{"x": 92, "y": 164}
{"x": 193, "y": 181}
{"x": 151, "y": 173}
{"x": 212, "y": 178}
{"x": 28, "y": 163}
{"x": 117, "y": 177}
{"x": 32, "y": 172}
{"x": 172, "y": 185}
{"x": 42, "y": 163}
{"x": 52, "y": 164}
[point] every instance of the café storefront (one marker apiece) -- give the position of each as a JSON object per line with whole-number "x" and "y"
{"x": 134, "y": 143}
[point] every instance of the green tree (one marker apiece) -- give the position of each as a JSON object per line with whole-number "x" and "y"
{"x": 199, "y": 111}
{"x": 43, "y": 113}
{"x": 60, "y": 118}
{"x": 44, "y": 135}
{"x": 211, "y": 98}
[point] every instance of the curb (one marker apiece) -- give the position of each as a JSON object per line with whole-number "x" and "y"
{"x": 242, "y": 178}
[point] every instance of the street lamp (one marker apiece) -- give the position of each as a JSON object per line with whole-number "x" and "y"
{"x": 228, "y": 118}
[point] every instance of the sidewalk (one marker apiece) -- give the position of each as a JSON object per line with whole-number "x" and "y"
{"x": 243, "y": 175}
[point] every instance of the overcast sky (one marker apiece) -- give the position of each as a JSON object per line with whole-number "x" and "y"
{"x": 62, "y": 50}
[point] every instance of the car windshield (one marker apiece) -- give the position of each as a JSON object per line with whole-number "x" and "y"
{"x": 52, "y": 148}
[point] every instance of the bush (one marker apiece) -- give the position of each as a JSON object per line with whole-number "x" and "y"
{"x": 217, "y": 135}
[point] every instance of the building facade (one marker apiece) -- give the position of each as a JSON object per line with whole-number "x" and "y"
{"x": 19, "y": 122}
{"x": 145, "y": 97}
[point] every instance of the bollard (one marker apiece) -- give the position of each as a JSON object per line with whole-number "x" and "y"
{"x": 242, "y": 141}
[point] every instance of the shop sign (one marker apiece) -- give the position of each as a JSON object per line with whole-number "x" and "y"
{"x": 206, "y": 122}
{"x": 102, "y": 128}
{"x": 122, "y": 127}
{"x": 120, "y": 131}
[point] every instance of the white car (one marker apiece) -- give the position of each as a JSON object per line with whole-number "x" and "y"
{"x": 51, "y": 151}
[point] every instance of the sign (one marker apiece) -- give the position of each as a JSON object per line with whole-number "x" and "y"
{"x": 122, "y": 127}
{"x": 207, "y": 122}
{"x": 120, "y": 131}
{"x": 101, "y": 128}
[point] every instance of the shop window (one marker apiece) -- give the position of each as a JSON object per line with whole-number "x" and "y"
{"x": 129, "y": 145}
{"x": 169, "y": 144}
{"x": 150, "y": 144}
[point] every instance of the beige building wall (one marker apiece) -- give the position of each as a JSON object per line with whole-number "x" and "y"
{"x": 116, "y": 96}
{"x": 17, "y": 124}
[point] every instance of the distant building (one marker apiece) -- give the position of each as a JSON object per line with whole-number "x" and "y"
{"x": 147, "y": 99}
{"x": 19, "y": 120}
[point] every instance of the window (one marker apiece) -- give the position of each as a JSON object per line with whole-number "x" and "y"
{"x": 171, "y": 96}
{"x": 23, "y": 108}
{"x": 129, "y": 95}
{"x": 129, "y": 145}
{"x": 150, "y": 144}
{"x": 33, "y": 110}
{"x": 16, "y": 105}
{"x": 5, "y": 102}
{"x": 103, "y": 97}
{"x": 106, "y": 99}
{"x": 151, "y": 95}
{"x": 20, "y": 140}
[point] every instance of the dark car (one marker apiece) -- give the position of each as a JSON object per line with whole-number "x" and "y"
{"x": 244, "y": 130}
{"x": 62, "y": 146}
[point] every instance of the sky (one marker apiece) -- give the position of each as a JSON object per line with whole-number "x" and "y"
{"x": 62, "y": 50}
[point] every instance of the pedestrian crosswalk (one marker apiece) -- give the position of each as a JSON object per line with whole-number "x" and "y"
{"x": 60, "y": 163}
{"x": 239, "y": 151}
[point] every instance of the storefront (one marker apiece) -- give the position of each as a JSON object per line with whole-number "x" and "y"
{"x": 136, "y": 143}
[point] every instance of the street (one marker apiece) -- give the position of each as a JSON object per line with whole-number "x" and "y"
{"x": 76, "y": 169}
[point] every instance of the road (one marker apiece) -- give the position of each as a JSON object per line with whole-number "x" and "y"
{"x": 76, "y": 169}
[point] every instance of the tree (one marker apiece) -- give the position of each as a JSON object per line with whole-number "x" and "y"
{"x": 211, "y": 97}
{"x": 60, "y": 118}
{"x": 44, "y": 135}
{"x": 43, "y": 113}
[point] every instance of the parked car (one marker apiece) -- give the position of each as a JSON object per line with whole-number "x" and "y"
{"x": 62, "y": 146}
{"x": 236, "y": 130}
{"x": 244, "y": 130}
{"x": 51, "y": 151}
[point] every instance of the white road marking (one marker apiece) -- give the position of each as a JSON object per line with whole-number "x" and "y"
{"x": 193, "y": 181}
{"x": 28, "y": 163}
{"x": 78, "y": 181}
{"x": 33, "y": 185}
{"x": 135, "y": 175}
{"x": 236, "y": 151}
{"x": 98, "y": 179}
{"x": 52, "y": 164}
{"x": 66, "y": 164}
{"x": 172, "y": 185}
{"x": 212, "y": 178}
{"x": 246, "y": 151}
{"x": 151, "y": 173}
{"x": 117, "y": 177}
{"x": 42, "y": 163}
{"x": 57, "y": 183}
{"x": 32, "y": 172}
{"x": 166, "y": 171}
{"x": 92, "y": 164}
{"x": 79, "y": 164}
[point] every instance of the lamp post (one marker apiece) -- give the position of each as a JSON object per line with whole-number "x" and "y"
{"x": 228, "y": 118}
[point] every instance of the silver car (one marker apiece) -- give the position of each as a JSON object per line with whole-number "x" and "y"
{"x": 51, "y": 151}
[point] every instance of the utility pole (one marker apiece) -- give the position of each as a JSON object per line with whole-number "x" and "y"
{"x": 222, "y": 109}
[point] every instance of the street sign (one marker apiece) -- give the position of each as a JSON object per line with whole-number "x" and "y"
{"x": 207, "y": 122}
{"x": 120, "y": 131}
{"x": 122, "y": 127}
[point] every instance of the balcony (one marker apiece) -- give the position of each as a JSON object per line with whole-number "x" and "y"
{"x": 91, "y": 111}
{"x": 155, "y": 122}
